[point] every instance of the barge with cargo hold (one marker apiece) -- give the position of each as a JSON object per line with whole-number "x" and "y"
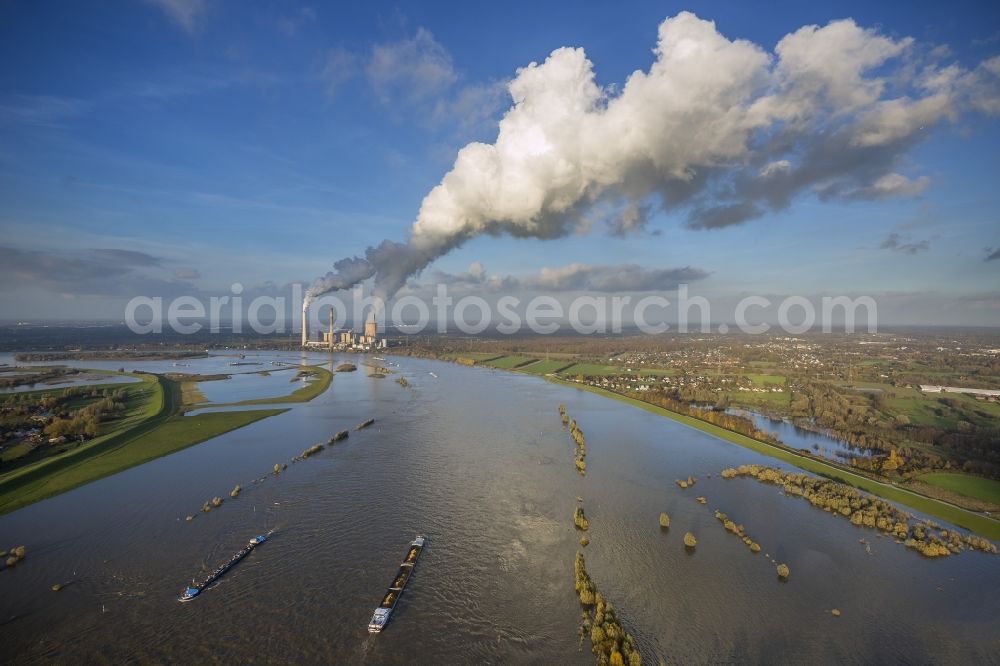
{"x": 381, "y": 616}
{"x": 197, "y": 588}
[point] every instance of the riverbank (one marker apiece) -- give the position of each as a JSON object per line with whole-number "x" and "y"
{"x": 977, "y": 523}
{"x": 153, "y": 427}
{"x": 318, "y": 381}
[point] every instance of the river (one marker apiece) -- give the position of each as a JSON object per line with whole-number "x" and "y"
{"x": 477, "y": 461}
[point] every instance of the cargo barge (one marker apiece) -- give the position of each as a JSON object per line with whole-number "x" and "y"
{"x": 381, "y": 616}
{"x": 197, "y": 588}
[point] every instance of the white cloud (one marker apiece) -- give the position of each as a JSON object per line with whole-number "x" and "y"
{"x": 410, "y": 70}
{"x": 290, "y": 25}
{"x": 894, "y": 184}
{"x": 42, "y": 110}
{"x": 340, "y": 67}
{"x": 622, "y": 278}
{"x": 828, "y": 64}
{"x": 416, "y": 77}
{"x": 774, "y": 167}
{"x": 895, "y": 119}
{"x": 983, "y": 86}
{"x": 185, "y": 13}
{"x": 473, "y": 108}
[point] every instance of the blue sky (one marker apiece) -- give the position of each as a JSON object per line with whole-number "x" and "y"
{"x": 209, "y": 142}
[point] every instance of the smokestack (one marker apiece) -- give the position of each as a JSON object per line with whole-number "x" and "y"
{"x": 330, "y": 339}
{"x": 305, "y": 323}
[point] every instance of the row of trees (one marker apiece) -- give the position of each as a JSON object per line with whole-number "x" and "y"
{"x": 733, "y": 422}
{"x": 738, "y": 530}
{"x": 609, "y": 641}
{"x": 580, "y": 455}
{"x": 35, "y": 377}
{"x": 865, "y": 510}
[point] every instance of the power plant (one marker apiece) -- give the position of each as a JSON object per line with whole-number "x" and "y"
{"x": 344, "y": 339}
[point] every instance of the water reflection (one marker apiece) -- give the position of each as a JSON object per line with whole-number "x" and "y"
{"x": 801, "y": 438}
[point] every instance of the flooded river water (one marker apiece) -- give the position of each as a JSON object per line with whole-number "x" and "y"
{"x": 478, "y": 462}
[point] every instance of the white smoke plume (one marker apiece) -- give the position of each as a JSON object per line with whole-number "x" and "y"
{"x": 719, "y": 129}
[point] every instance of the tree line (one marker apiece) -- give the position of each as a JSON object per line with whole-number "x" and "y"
{"x": 864, "y": 510}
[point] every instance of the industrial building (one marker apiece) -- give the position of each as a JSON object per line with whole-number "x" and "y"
{"x": 344, "y": 339}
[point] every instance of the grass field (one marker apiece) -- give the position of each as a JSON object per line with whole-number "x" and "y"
{"x": 479, "y": 356}
{"x": 988, "y": 410}
{"x": 317, "y": 383}
{"x": 191, "y": 394}
{"x": 971, "y": 521}
{"x": 593, "y": 370}
{"x": 596, "y": 370}
{"x": 965, "y": 484}
{"x": 767, "y": 380}
{"x": 151, "y": 428}
{"x": 922, "y": 410}
{"x": 545, "y": 367}
{"x": 509, "y": 362}
{"x": 760, "y": 399}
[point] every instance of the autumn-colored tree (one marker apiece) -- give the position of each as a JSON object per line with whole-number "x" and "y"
{"x": 891, "y": 463}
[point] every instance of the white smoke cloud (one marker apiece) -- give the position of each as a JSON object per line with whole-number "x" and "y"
{"x": 717, "y": 127}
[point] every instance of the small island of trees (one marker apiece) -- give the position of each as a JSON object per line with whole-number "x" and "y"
{"x": 312, "y": 450}
{"x": 16, "y": 554}
{"x": 664, "y": 520}
{"x": 580, "y": 520}
{"x": 685, "y": 483}
{"x": 689, "y": 540}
